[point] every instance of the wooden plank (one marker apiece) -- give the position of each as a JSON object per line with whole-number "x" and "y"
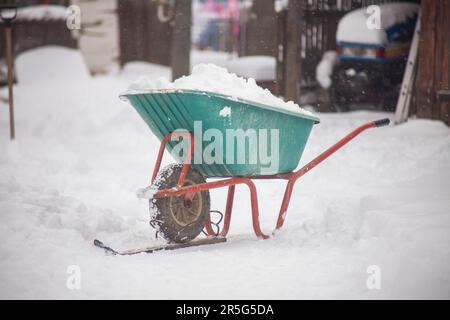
{"x": 438, "y": 56}
{"x": 142, "y": 36}
{"x": 281, "y": 53}
{"x": 159, "y": 35}
{"x": 426, "y": 66}
{"x": 181, "y": 39}
{"x": 36, "y": 33}
{"x": 260, "y": 30}
{"x": 445, "y": 44}
{"x": 292, "y": 57}
{"x": 124, "y": 10}
{"x": 444, "y": 69}
{"x": 168, "y": 246}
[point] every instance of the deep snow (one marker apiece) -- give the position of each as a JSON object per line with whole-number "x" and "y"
{"x": 81, "y": 154}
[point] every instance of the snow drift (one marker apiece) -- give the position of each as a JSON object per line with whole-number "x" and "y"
{"x": 51, "y": 63}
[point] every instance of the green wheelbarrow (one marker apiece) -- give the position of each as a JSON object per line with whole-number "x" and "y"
{"x": 216, "y": 136}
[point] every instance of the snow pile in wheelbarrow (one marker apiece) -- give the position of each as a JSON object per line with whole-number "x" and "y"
{"x": 211, "y": 78}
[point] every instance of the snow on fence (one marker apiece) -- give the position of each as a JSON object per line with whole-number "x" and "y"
{"x": 39, "y": 25}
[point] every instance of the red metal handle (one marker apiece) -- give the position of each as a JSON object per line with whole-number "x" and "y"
{"x": 338, "y": 145}
{"x": 293, "y": 177}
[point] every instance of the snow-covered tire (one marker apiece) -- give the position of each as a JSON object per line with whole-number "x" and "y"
{"x": 174, "y": 218}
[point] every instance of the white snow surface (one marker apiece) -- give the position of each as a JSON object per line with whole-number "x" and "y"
{"x": 215, "y": 79}
{"x": 218, "y": 58}
{"x": 260, "y": 68}
{"x": 81, "y": 153}
{"x": 353, "y": 26}
{"x": 135, "y": 69}
{"x": 51, "y": 64}
{"x": 324, "y": 69}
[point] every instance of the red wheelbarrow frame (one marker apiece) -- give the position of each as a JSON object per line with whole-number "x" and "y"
{"x": 231, "y": 183}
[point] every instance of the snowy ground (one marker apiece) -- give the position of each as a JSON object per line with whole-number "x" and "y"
{"x": 81, "y": 154}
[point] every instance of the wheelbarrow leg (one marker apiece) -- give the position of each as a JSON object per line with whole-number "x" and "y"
{"x": 255, "y": 210}
{"x": 208, "y": 227}
{"x": 285, "y": 204}
{"x": 228, "y": 210}
{"x": 227, "y": 216}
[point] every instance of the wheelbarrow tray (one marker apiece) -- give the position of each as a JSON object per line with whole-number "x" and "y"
{"x": 165, "y": 111}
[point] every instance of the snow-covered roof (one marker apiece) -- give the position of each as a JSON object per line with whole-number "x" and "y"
{"x": 353, "y": 26}
{"x": 42, "y": 12}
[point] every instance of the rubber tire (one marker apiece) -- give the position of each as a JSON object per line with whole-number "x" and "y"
{"x": 161, "y": 216}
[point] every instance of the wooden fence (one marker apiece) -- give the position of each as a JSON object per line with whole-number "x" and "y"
{"x": 32, "y": 33}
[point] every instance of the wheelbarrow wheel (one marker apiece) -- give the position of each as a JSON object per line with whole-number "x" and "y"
{"x": 179, "y": 219}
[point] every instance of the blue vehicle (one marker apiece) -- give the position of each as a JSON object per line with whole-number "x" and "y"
{"x": 372, "y": 48}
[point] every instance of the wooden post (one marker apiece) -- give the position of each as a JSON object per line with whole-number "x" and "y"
{"x": 433, "y": 78}
{"x": 158, "y": 32}
{"x": 9, "y": 59}
{"x": 181, "y": 39}
{"x": 260, "y": 30}
{"x": 292, "y": 51}
{"x": 8, "y": 14}
{"x": 426, "y": 66}
{"x": 281, "y": 54}
{"x": 127, "y": 32}
{"x": 142, "y": 35}
{"x": 443, "y": 70}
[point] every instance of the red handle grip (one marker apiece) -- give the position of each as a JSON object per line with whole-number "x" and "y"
{"x": 382, "y": 122}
